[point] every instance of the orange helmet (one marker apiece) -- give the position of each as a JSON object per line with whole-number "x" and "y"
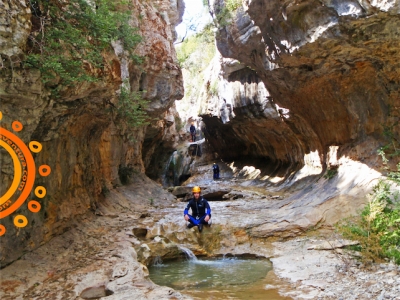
{"x": 196, "y": 189}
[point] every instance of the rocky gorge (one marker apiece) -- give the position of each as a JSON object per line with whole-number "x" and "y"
{"x": 298, "y": 99}
{"x": 104, "y": 255}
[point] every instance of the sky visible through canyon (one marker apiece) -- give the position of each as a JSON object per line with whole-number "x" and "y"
{"x": 196, "y": 16}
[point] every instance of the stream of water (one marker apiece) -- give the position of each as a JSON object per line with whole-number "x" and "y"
{"x": 216, "y": 278}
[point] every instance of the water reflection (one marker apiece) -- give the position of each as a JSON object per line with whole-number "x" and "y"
{"x": 218, "y": 278}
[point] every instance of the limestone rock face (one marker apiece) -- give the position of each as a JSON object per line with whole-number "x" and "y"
{"x": 161, "y": 78}
{"x": 88, "y": 151}
{"x": 14, "y": 29}
{"x": 303, "y": 77}
{"x": 161, "y": 141}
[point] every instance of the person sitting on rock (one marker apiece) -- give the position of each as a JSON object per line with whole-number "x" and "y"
{"x": 201, "y": 211}
{"x": 216, "y": 171}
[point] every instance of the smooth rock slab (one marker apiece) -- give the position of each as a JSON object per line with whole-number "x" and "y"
{"x": 94, "y": 292}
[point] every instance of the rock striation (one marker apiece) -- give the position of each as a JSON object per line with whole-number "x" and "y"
{"x": 301, "y": 77}
{"x": 88, "y": 151}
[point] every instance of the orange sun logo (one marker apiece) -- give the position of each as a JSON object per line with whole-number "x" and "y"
{"x": 24, "y": 176}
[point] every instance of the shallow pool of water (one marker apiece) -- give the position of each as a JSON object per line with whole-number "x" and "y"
{"x": 217, "y": 278}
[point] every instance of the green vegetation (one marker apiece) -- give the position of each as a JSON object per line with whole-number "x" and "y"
{"x": 232, "y": 5}
{"x": 213, "y": 88}
{"x": 203, "y": 44}
{"x": 68, "y": 40}
{"x": 378, "y": 227}
{"x": 392, "y": 148}
{"x": 225, "y": 13}
{"x": 178, "y": 123}
{"x": 330, "y": 173}
{"x": 223, "y": 17}
{"x": 131, "y": 108}
{"x": 195, "y": 55}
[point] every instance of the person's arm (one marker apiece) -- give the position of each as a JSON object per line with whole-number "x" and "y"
{"x": 186, "y": 211}
{"x": 208, "y": 209}
{"x": 208, "y": 212}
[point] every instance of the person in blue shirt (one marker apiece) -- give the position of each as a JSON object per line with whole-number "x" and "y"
{"x": 193, "y": 132}
{"x": 215, "y": 171}
{"x": 201, "y": 211}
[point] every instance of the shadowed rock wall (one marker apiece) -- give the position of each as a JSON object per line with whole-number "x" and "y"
{"x": 329, "y": 72}
{"x": 88, "y": 150}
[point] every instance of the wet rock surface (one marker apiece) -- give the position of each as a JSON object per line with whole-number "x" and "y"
{"x": 93, "y": 239}
{"x": 105, "y": 253}
{"x": 95, "y": 257}
{"x": 88, "y": 150}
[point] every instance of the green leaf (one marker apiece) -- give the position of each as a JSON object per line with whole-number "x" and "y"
{"x": 77, "y": 32}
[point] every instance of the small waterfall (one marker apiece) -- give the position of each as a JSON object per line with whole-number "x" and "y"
{"x": 157, "y": 262}
{"x": 189, "y": 254}
{"x": 168, "y": 176}
{"x": 177, "y": 168}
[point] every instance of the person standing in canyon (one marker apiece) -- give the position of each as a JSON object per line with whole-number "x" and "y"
{"x": 193, "y": 132}
{"x": 201, "y": 210}
{"x": 215, "y": 171}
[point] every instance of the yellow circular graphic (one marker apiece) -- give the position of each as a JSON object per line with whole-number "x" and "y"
{"x": 35, "y": 146}
{"x": 40, "y": 192}
{"x": 23, "y": 178}
{"x": 20, "y": 221}
{"x": 17, "y": 173}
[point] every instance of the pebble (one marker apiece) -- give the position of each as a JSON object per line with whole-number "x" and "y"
{"x": 361, "y": 284}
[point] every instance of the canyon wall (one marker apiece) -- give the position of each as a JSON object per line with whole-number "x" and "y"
{"x": 88, "y": 151}
{"x": 299, "y": 83}
{"x": 300, "y": 78}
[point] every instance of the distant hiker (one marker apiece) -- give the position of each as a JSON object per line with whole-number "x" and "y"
{"x": 201, "y": 211}
{"x": 193, "y": 132}
{"x": 215, "y": 171}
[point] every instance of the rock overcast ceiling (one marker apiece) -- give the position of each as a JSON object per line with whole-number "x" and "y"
{"x": 306, "y": 75}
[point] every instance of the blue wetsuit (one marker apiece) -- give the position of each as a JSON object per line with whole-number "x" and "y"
{"x": 193, "y": 133}
{"x": 216, "y": 171}
{"x": 200, "y": 209}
